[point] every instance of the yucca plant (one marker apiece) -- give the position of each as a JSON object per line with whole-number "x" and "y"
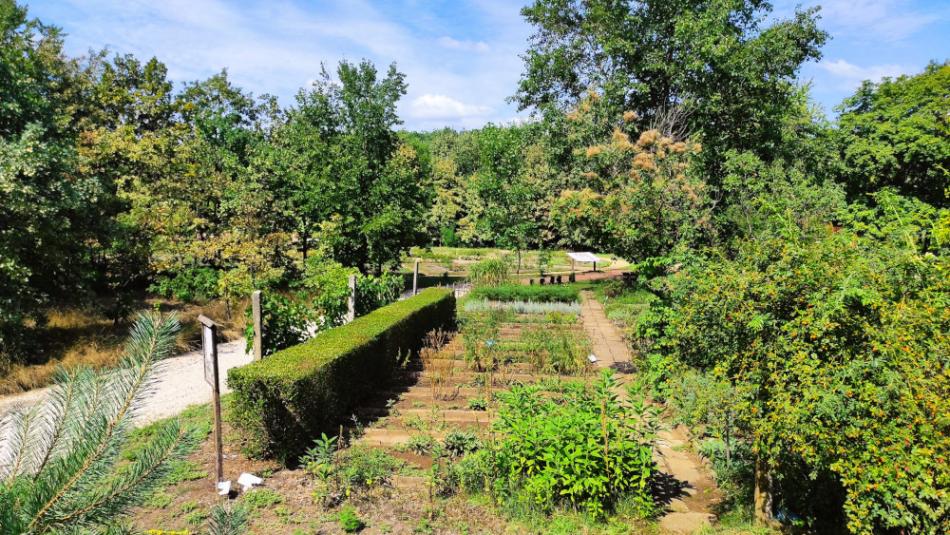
{"x": 60, "y": 463}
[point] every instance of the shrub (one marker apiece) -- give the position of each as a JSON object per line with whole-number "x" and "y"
{"x": 349, "y": 521}
{"x": 489, "y": 272}
{"x": 460, "y": 442}
{"x": 535, "y": 294}
{"x": 583, "y": 449}
{"x": 281, "y": 403}
{"x": 285, "y": 323}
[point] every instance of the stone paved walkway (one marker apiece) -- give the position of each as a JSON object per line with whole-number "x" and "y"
{"x": 689, "y": 490}
{"x": 606, "y": 340}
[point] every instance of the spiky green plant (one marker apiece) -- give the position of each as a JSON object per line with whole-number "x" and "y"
{"x": 60, "y": 463}
{"x": 227, "y": 520}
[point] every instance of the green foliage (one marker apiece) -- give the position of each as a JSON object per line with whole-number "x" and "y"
{"x": 285, "y": 323}
{"x": 896, "y": 134}
{"x": 261, "y": 498}
{"x": 282, "y": 402}
{"x": 228, "y": 520}
{"x": 489, "y": 272}
{"x": 820, "y": 344}
{"x": 62, "y": 461}
{"x": 188, "y": 284}
{"x": 349, "y": 520}
{"x": 520, "y": 292}
{"x": 555, "y": 348}
{"x": 582, "y": 449}
{"x": 728, "y": 65}
{"x": 458, "y": 443}
{"x": 477, "y": 404}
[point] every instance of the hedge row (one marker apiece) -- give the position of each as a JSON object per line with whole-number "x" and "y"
{"x": 520, "y": 292}
{"x": 282, "y": 402}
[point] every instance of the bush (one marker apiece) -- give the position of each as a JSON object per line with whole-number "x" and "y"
{"x": 535, "y": 294}
{"x": 349, "y": 521}
{"x": 189, "y": 284}
{"x": 373, "y": 292}
{"x": 283, "y": 402}
{"x": 583, "y": 449}
{"x": 285, "y": 323}
{"x": 489, "y": 272}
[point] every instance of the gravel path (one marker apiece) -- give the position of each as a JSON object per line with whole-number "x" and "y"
{"x": 179, "y": 383}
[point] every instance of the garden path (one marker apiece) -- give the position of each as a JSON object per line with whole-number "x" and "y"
{"x": 689, "y": 489}
{"x": 179, "y": 383}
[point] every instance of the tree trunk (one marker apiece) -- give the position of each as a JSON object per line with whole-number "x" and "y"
{"x": 763, "y": 494}
{"x": 519, "y": 262}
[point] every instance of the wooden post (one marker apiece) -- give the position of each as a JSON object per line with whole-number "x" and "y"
{"x": 209, "y": 347}
{"x": 415, "y": 278}
{"x": 258, "y": 325}
{"x": 351, "y": 301}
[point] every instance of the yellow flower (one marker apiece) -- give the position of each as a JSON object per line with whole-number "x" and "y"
{"x": 594, "y": 151}
{"x": 648, "y": 138}
{"x": 629, "y": 116}
{"x": 644, "y": 161}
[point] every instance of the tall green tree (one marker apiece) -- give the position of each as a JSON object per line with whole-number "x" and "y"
{"x": 896, "y": 133}
{"x": 41, "y": 246}
{"x": 710, "y": 68}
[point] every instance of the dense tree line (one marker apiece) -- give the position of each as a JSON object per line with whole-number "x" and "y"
{"x": 114, "y": 181}
{"x": 800, "y": 263}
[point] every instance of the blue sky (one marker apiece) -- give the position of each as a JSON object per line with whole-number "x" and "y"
{"x": 461, "y": 57}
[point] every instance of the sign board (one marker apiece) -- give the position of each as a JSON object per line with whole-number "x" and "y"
{"x": 209, "y": 352}
{"x": 207, "y": 349}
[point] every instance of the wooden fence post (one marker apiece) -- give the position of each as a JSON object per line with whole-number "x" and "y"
{"x": 415, "y": 278}
{"x": 258, "y": 325}
{"x": 351, "y": 301}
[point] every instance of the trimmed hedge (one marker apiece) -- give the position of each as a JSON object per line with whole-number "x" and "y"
{"x": 520, "y": 292}
{"x": 282, "y": 402}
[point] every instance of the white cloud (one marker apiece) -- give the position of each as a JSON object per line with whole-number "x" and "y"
{"x": 850, "y": 75}
{"x": 870, "y": 20}
{"x": 429, "y": 106}
{"x": 468, "y": 46}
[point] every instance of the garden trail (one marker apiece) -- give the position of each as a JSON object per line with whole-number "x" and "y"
{"x": 688, "y": 489}
{"x": 179, "y": 383}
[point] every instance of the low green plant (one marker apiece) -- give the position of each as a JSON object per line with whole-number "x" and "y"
{"x": 363, "y": 467}
{"x": 529, "y": 293}
{"x": 421, "y": 444}
{"x": 349, "y": 520}
{"x": 477, "y": 404}
{"x": 261, "y": 498}
{"x": 228, "y": 520}
{"x": 318, "y": 460}
{"x": 555, "y": 348}
{"x": 583, "y": 448}
{"x": 458, "y": 443}
{"x": 196, "y": 518}
{"x": 511, "y": 308}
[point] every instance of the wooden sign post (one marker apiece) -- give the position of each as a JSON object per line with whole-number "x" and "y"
{"x": 209, "y": 349}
